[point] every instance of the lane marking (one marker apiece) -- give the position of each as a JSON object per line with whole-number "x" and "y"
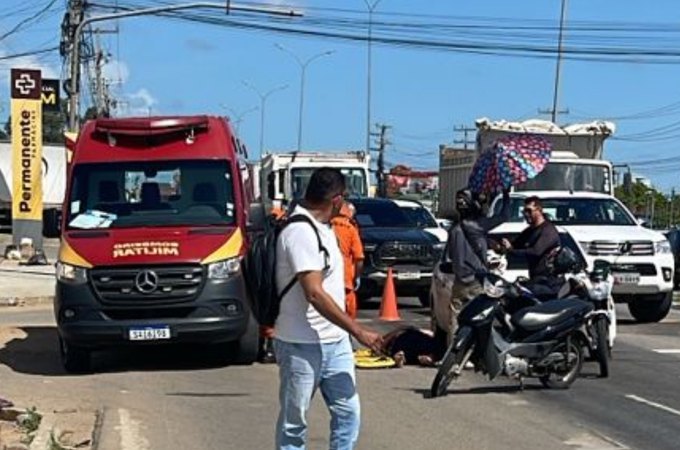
{"x": 653, "y": 404}
{"x": 667, "y": 351}
{"x": 130, "y": 436}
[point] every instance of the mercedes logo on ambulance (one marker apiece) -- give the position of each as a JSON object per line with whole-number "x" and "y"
{"x": 146, "y": 281}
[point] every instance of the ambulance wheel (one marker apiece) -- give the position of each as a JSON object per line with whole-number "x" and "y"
{"x": 244, "y": 351}
{"x": 74, "y": 359}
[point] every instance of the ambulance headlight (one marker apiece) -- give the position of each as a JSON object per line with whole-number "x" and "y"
{"x": 68, "y": 273}
{"x": 221, "y": 270}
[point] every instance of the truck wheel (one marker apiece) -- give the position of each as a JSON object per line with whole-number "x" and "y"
{"x": 244, "y": 351}
{"x": 646, "y": 310}
{"x": 425, "y": 299}
{"x": 74, "y": 359}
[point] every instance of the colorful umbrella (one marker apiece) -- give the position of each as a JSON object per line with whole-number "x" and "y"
{"x": 510, "y": 161}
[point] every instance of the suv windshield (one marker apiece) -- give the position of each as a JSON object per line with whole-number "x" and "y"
{"x": 381, "y": 214}
{"x": 420, "y": 216}
{"x": 574, "y": 211}
{"x": 154, "y": 193}
{"x": 355, "y": 180}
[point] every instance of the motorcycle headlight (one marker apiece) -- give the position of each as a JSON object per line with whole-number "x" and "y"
{"x": 662, "y": 247}
{"x": 68, "y": 273}
{"x": 221, "y": 270}
{"x": 484, "y": 314}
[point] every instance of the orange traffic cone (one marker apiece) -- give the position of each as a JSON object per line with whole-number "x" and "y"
{"x": 388, "y": 307}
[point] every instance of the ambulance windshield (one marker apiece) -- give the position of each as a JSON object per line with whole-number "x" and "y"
{"x": 157, "y": 193}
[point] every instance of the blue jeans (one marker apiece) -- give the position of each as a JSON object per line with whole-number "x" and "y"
{"x": 302, "y": 369}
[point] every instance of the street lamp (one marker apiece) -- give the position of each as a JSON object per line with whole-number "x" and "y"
{"x": 303, "y": 68}
{"x": 263, "y": 100}
{"x": 237, "y": 118}
{"x": 371, "y": 7}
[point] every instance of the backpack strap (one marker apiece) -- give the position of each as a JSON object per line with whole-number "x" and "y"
{"x": 302, "y": 218}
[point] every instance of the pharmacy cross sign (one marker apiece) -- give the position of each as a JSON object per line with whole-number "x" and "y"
{"x": 26, "y": 84}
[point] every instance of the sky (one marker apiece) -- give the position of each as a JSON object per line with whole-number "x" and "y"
{"x": 166, "y": 66}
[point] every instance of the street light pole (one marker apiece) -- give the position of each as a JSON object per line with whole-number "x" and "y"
{"x": 371, "y": 7}
{"x": 263, "y": 101}
{"x": 303, "y": 68}
{"x": 559, "y": 63}
{"x": 74, "y": 88}
{"x": 238, "y": 118}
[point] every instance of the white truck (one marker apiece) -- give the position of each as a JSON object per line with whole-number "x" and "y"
{"x": 54, "y": 185}
{"x": 284, "y": 176}
{"x": 641, "y": 259}
{"x": 576, "y": 162}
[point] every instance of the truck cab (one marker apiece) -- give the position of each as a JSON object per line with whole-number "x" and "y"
{"x": 153, "y": 232}
{"x": 284, "y": 176}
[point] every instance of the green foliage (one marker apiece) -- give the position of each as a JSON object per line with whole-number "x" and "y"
{"x": 638, "y": 198}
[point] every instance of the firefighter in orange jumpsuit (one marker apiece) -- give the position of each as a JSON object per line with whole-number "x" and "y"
{"x": 347, "y": 231}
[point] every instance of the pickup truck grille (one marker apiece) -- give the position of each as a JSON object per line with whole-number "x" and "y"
{"x": 633, "y": 248}
{"x": 149, "y": 285}
{"x": 646, "y": 270}
{"x": 391, "y": 253}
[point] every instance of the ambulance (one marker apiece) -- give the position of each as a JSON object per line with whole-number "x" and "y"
{"x": 153, "y": 232}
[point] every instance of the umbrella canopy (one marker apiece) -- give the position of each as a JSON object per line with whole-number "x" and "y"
{"x": 510, "y": 161}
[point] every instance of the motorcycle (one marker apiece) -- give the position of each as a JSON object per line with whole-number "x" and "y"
{"x": 506, "y": 330}
{"x": 596, "y": 288}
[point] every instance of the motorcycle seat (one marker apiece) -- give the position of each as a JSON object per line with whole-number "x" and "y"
{"x": 534, "y": 318}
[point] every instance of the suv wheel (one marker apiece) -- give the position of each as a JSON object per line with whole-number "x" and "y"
{"x": 647, "y": 310}
{"x": 74, "y": 359}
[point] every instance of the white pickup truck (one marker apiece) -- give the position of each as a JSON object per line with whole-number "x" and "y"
{"x": 642, "y": 262}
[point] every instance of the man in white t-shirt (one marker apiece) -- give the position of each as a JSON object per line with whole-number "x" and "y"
{"x": 312, "y": 343}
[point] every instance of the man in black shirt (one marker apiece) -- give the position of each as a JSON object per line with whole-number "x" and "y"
{"x": 536, "y": 242}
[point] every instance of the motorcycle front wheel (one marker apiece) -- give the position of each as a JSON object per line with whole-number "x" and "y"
{"x": 601, "y": 340}
{"x": 563, "y": 373}
{"x": 451, "y": 365}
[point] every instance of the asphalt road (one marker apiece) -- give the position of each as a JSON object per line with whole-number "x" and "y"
{"x": 184, "y": 398}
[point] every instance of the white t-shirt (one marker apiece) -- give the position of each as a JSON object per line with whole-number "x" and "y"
{"x": 297, "y": 250}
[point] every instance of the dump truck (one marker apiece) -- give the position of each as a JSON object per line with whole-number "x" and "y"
{"x": 576, "y": 164}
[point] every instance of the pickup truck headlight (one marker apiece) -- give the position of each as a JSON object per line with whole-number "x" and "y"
{"x": 439, "y": 246}
{"x": 662, "y": 247}
{"x": 370, "y": 247}
{"x": 68, "y": 273}
{"x": 221, "y": 270}
{"x": 585, "y": 246}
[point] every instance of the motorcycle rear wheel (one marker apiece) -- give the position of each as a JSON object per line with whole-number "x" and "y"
{"x": 602, "y": 353}
{"x": 563, "y": 375}
{"x": 445, "y": 372}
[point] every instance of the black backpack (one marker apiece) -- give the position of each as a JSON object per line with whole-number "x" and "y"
{"x": 259, "y": 270}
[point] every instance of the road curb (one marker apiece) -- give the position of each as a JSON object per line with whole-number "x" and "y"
{"x": 55, "y": 425}
{"x": 8, "y": 302}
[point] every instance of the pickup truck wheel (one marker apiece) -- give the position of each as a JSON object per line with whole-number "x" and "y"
{"x": 244, "y": 351}
{"x": 651, "y": 310}
{"x": 74, "y": 359}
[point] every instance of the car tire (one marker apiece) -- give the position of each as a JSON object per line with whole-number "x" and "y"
{"x": 647, "y": 310}
{"x": 75, "y": 359}
{"x": 244, "y": 351}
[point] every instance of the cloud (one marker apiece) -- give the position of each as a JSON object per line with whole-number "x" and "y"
{"x": 140, "y": 103}
{"x": 200, "y": 45}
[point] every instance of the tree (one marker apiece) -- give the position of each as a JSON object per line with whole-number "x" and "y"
{"x": 652, "y": 205}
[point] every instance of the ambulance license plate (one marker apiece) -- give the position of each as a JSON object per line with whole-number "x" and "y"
{"x": 151, "y": 333}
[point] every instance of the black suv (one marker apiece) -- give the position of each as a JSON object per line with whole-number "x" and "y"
{"x": 391, "y": 239}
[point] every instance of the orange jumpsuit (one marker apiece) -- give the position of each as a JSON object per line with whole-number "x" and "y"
{"x": 352, "y": 252}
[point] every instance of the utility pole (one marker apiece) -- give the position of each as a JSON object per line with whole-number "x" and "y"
{"x": 383, "y": 142}
{"x": 465, "y": 130}
{"x": 670, "y": 215}
{"x": 73, "y": 89}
